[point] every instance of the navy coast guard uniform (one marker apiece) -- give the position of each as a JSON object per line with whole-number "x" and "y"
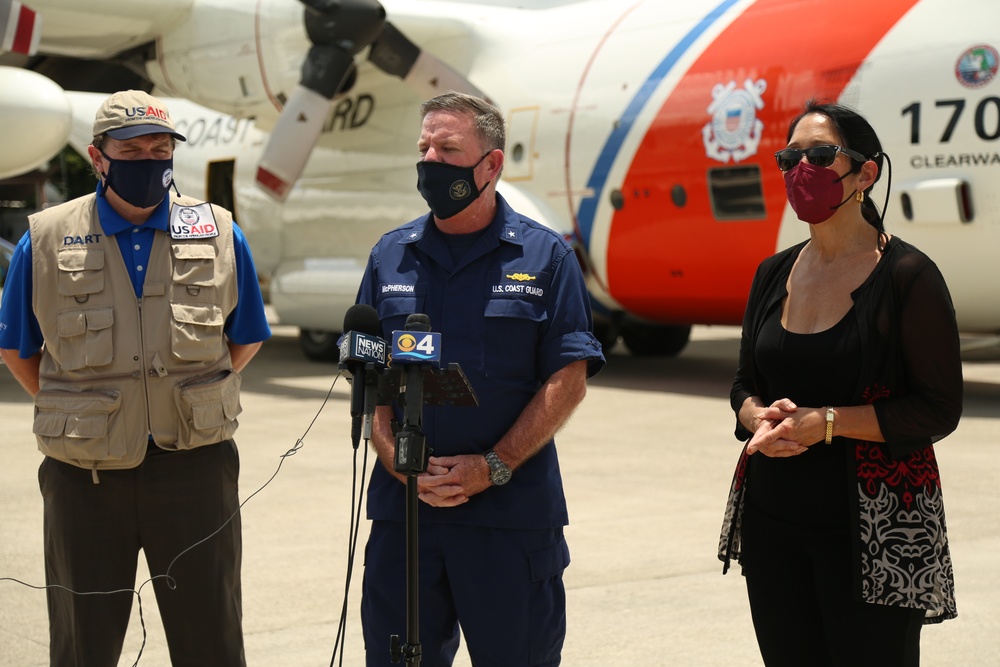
{"x": 512, "y": 308}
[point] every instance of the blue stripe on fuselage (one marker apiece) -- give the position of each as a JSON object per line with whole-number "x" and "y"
{"x": 599, "y": 177}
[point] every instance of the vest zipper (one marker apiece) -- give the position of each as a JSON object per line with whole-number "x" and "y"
{"x": 146, "y": 372}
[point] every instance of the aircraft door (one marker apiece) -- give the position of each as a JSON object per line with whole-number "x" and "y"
{"x": 219, "y": 187}
{"x": 522, "y": 126}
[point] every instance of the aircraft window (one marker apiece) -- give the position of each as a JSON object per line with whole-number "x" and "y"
{"x": 907, "y": 205}
{"x": 737, "y": 193}
{"x": 679, "y": 196}
{"x": 617, "y": 199}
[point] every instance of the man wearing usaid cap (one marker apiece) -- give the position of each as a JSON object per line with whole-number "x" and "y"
{"x": 127, "y": 316}
{"x": 137, "y": 119}
{"x": 132, "y": 113}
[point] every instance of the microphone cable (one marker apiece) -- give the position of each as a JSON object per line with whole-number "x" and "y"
{"x": 352, "y": 544}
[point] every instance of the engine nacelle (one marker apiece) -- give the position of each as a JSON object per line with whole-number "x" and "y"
{"x": 242, "y": 59}
{"x": 37, "y": 120}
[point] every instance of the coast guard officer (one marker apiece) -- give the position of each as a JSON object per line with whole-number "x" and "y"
{"x": 508, "y": 297}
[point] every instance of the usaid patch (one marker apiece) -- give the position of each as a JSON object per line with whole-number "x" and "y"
{"x": 192, "y": 222}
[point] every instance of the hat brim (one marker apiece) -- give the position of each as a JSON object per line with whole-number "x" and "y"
{"x": 139, "y": 130}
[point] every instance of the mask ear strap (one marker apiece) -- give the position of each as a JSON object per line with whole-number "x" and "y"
{"x": 105, "y": 176}
{"x": 888, "y": 189}
{"x": 487, "y": 183}
{"x": 855, "y": 168}
{"x": 482, "y": 158}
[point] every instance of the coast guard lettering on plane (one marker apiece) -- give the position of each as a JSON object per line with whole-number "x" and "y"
{"x": 192, "y": 222}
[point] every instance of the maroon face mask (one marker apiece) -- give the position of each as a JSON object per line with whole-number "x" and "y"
{"x": 814, "y": 192}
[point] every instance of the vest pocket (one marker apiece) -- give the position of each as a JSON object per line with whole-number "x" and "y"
{"x": 194, "y": 265}
{"x": 85, "y": 338}
{"x": 79, "y": 427}
{"x": 196, "y": 332}
{"x": 208, "y": 406}
{"x": 80, "y": 272}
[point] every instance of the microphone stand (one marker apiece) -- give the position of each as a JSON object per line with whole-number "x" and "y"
{"x": 411, "y": 459}
{"x": 420, "y": 385}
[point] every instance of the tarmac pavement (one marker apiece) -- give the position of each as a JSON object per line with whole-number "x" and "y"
{"x": 647, "y": 460}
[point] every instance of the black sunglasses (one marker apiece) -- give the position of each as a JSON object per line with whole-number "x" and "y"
{"x": 821, "y": 156}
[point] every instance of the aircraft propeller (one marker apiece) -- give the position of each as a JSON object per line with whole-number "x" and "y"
{"x": 339, "y": 30}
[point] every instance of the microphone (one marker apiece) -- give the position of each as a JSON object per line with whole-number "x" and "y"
{"x": 414, "y": 348}
{"x": 363, "y": 355}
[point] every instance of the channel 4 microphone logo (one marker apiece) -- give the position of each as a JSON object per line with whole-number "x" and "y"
{"x": 420, "y": 347}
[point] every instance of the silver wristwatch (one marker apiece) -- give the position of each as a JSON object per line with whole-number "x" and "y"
{"x": 499, "y": 472}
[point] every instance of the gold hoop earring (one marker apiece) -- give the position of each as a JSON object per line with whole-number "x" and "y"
{"x": 860, "y": 197}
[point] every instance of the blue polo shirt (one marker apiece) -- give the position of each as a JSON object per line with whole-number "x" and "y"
{"x": 512, "y": 310}
{"x": 19, "y": 328}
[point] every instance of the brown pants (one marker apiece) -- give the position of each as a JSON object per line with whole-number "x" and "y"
{"x": 93, "y": 534}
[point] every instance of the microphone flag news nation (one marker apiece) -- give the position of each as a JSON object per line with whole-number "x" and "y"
{"x": 362, "y": 354}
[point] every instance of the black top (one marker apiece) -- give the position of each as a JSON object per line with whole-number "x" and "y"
{"x": 812, "y": 370}
{"x": 911, "y": 371}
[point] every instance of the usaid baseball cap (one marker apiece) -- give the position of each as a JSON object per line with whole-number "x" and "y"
{"x": 133, "y": 113}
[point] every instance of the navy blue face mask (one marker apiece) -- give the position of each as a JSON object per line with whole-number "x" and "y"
{"x": 448, "y": 189}
{"x": 141, "y": 183}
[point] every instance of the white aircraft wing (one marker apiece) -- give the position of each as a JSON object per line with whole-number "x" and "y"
{"x": 104, "y": 28}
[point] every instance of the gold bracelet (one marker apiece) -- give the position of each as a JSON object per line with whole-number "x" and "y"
{"x": 829, "y": 425}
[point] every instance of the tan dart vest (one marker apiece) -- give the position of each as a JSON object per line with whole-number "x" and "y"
{"x": 114, "y": 368}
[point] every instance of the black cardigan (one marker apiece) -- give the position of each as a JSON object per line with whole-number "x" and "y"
{"x": 912, "y": 375}
{"x": 909, "y": 344}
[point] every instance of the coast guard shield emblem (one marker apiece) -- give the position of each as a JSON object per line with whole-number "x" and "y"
{"x": 734, "y": 131}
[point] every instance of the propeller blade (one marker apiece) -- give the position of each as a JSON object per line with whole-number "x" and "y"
{"x": 428, "y": 75}
{"x": 20, "y": 28}
{"x": 291, "y": 141}
{"x": 338, "y": 29}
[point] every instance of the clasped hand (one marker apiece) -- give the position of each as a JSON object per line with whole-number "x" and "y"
{"x": 785, "y": 431}
{"x": 452, "y": 480}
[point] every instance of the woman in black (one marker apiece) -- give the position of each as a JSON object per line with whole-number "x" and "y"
{"x": 849, "y": 370}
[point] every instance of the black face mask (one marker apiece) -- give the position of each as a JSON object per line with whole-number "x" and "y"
{"x": 141, "y": 183}
{"x": 447, "y": 188}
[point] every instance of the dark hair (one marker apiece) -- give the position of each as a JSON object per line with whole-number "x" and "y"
{"x": 856, "y": 133}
